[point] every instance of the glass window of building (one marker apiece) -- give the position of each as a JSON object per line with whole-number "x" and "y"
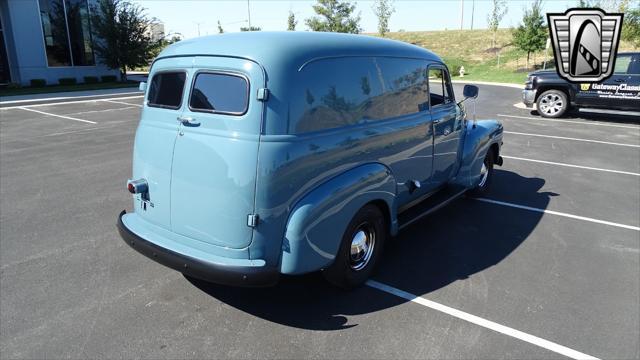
{"x": 79, "y": 32}
{"x": 67, "y": 32}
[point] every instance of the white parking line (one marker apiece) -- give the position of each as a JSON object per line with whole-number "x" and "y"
{"x": 122, "y": 102}
{"x": 65, "y": 97}
{"x": 488, "y": 324}
{"x": 572, "y": 121}
{"x": 571, "y": 216}
{"x": 571, "y": 165}
{"x": 71, "y": 102}
{"x": 572, "y": 139}
{"x": 60, "y": 116}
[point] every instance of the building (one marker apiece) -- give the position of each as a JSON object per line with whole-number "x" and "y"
{"x": 156, "y": 31}
{"x": 47, "y": 39}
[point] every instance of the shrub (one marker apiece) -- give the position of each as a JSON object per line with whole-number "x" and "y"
{"x": 67, "y": 81}
{"x": 90, "y": 79}
{"x": 108, "y": 78}
{"x": 38, "y": 82}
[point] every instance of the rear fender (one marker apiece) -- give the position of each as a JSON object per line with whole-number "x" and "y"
{"x": 318, "y": 221}
{"x": 477, "y": 141}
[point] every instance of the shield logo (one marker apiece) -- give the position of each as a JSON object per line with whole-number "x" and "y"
{"x": 585, "y": 43}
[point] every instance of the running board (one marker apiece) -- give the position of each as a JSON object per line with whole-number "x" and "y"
{"x": 431, "y": 204}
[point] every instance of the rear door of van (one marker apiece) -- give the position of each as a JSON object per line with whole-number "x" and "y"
{"x": 213, "y": 176}
{"x": 156, "y": 136}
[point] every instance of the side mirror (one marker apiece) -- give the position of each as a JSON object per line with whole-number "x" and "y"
{"x": 143, "y": 86}
{"x": 470, "y": 91}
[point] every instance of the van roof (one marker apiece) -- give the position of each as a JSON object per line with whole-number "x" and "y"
{"x": 276, "y": 49}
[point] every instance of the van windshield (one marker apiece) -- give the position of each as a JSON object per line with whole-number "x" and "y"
{"x": 166, "y": 90}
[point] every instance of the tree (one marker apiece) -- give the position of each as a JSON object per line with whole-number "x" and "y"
{"x": 531, "y": 35}
{"x": 252, "y": 28}
{"x": 334, "y": 16}
{"x": 220, "y": 29}
{"x": 164, "y": 42}
{"x": 121, "y": 29}
{"x": 498, "y": 11}
{"x": 631, "y": 26}
{"x": 292, "y": 22}
{"x": 383, "y": 10}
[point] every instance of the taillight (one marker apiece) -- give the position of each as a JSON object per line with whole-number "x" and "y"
{"x": 139, "y": 186}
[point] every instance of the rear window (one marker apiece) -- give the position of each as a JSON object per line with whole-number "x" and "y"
{"x": 166, "y": 90}
{"x": 220, "y": 93}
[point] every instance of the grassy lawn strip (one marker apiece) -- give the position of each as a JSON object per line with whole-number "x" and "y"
{"x": 64, "y": 88}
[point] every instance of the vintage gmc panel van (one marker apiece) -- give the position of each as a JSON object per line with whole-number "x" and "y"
{"x": 260, "y": 154}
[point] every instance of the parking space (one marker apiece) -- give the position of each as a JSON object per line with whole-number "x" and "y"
{"x": 545, "y": 267}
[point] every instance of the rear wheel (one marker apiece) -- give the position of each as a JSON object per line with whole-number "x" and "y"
{"x": 552, "y": 103}
{"x": 486, "y": 175}
{"x": 359, "y": 250}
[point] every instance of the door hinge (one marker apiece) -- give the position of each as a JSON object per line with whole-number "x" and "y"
{"x": 263, "y": 94}
{"x": 253, "y": 220}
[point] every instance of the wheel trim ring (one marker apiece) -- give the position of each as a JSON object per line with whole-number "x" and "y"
{"x": 362, "y": 246}
{"x": 551, "y": 104}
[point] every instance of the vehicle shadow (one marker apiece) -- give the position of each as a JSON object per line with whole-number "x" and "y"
{"x": 454, "y": 243}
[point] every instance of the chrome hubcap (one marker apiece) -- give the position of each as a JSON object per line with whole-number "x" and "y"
{"x": 484, "y": 175}
{"x": 551, "y": 104}
{"x": 362, "y": 244}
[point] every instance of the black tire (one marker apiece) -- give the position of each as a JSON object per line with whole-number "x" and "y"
{"x": 345, "y": 271}
{"x": 485, "y": 182}
{"x": 552, "y": 103}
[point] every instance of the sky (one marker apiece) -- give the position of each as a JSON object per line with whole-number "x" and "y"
{"x": 200, "y": 17}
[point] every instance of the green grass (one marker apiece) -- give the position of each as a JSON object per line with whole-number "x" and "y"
{"x": 473, "y": 50}
{"x": 64, "y": 88}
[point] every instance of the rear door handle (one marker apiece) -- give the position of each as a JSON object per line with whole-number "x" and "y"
{"x": 188, "y": 120}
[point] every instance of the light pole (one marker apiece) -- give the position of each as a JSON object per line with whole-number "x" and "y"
{"x": 249, "y": 14}
{"x": 473, "y": 10}
{"x": 461, "y": 14}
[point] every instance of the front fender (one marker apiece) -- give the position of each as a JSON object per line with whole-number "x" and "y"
{"x": 318, "y": 221}
{"x": 477, "y": 142}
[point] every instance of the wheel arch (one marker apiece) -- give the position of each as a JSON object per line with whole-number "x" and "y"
{"x": 317, "y": 222}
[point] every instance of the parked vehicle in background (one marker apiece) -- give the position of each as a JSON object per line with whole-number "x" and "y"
{"x": 554, "y": 96}
{"x": 260, "y": 154}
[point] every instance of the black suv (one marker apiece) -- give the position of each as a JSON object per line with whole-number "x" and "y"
{"x": 553, "y": 95}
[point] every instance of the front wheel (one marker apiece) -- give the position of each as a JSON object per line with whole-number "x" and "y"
{"x": 359, "y": 250}
{"x": 552, "y": 103}
{"x": 486, "y": 175}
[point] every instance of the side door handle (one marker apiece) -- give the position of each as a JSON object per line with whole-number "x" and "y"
{"x": 188, "y": 120}
{"x": 619, "y": 80}
{"x": 437, "y": 121}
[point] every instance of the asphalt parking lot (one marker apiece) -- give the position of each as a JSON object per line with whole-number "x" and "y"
{"x": 548, "y": 264}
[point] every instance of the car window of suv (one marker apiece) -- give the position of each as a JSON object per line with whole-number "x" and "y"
{"x": 623, "y": 64}
{"x": 634, "y": 66}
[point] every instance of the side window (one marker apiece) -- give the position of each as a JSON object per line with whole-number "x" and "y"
{"x": 332, "y": 93}
{"x": 623, "y": 64}
{"x": 219, "y": 93}
{"x": 166, "y": 90}
{"x": 634, "y": 66}
{"x": 439, "y": 87}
